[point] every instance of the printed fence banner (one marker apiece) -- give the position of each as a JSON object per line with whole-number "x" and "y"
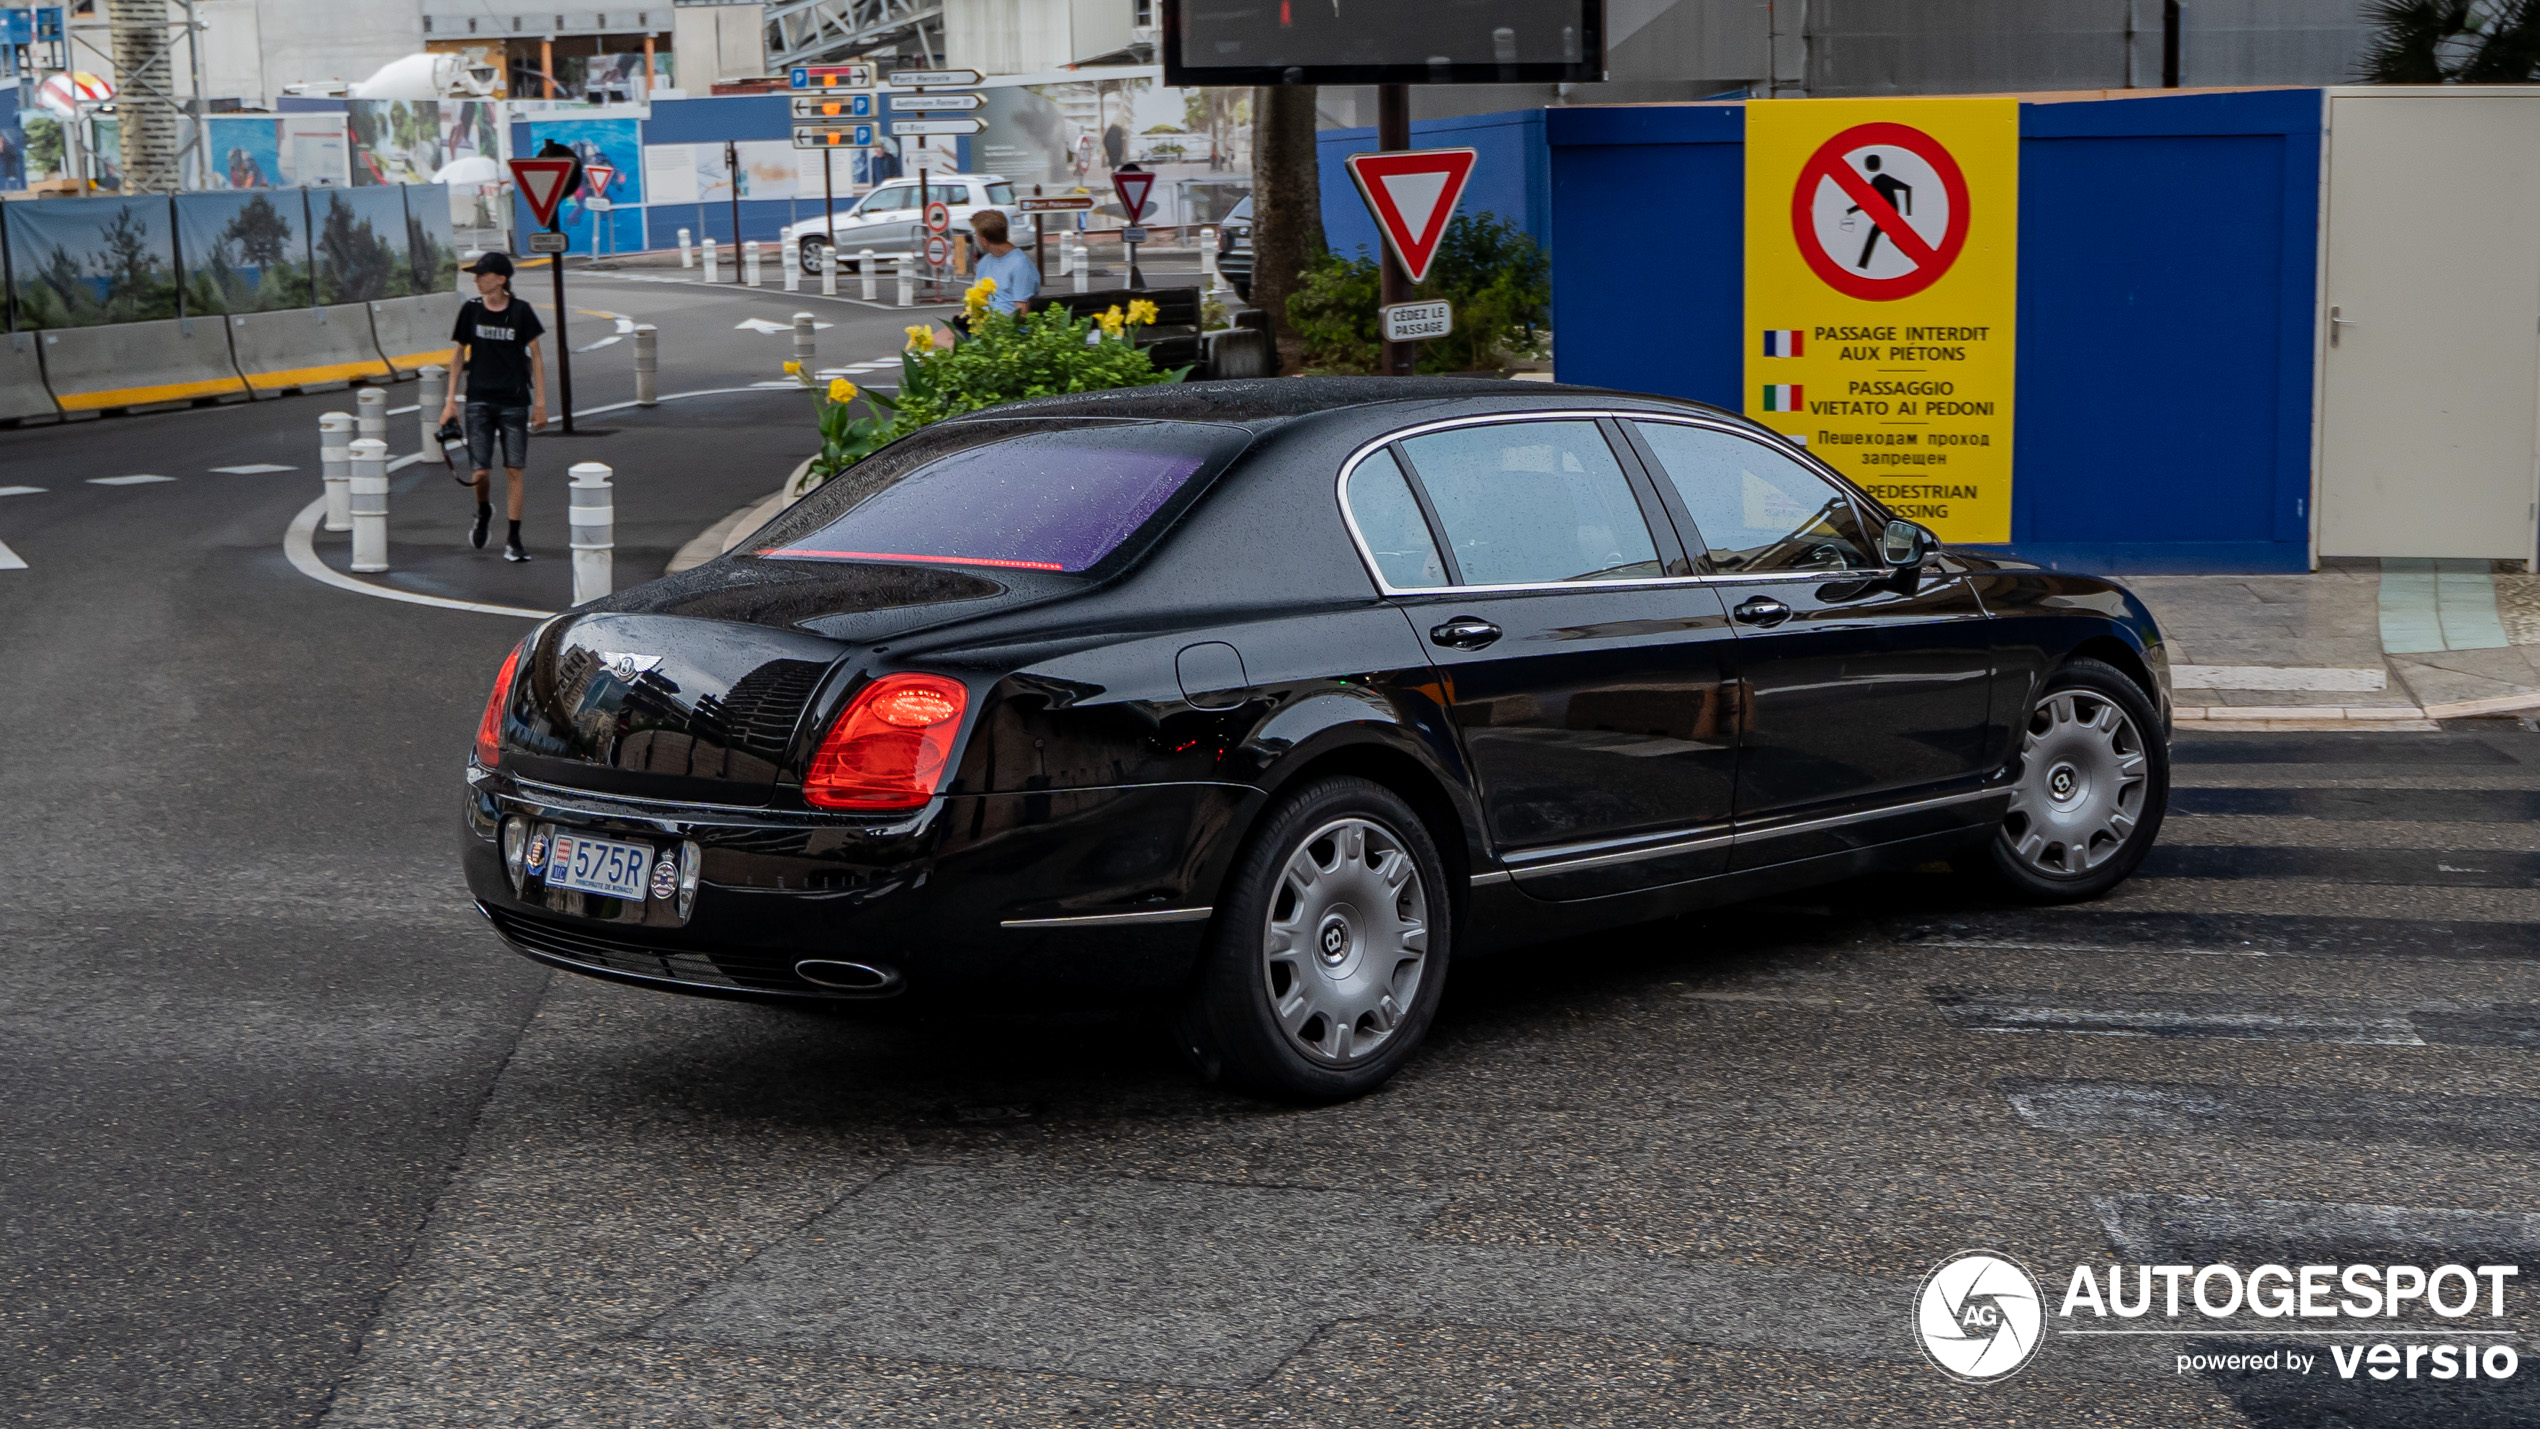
{"x": 88, "y": 262}
{"x": 244, "y": 252}
{"x": 314, "y": 151}
{"x": 619, "y": 144}
{"x": 432, "y": 252}
{"x": 246, "y": 152}
{"x": 362, "y": 247}
{"x": 395, "y": 141}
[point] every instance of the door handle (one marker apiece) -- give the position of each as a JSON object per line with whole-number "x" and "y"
{"x": 1762, "y": 610}
{"x": 2335, "y": 323}
{"x": 1464, "y": 632}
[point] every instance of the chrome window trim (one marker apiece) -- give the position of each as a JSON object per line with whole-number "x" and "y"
{"x": 1144, "y": 918}
{"x": 1367, "y": 553}
{"x": 1573, "y": 858}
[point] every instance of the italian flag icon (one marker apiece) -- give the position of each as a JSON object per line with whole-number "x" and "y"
{"x": 1782, "y": 397}
{"x": 1784, "y": 342}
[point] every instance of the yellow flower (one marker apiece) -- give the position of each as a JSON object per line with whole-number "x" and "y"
{"x": 921, "y": 337}
{"x": 979, "y": 293}
{"x": 1141, "y": 311}
{"x": 793, "y": 369}
{"x": 1113, "y": 320}
{"x": 841, "y": 390}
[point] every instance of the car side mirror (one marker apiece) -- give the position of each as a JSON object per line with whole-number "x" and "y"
{"x": 1904, "y": 544}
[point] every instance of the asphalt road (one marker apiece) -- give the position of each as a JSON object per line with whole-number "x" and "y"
{"x": 290, "y": 1137}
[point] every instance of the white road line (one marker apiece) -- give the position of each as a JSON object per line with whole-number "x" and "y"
{"x": 409, "y": 459}
{"x": 299, "y": 545}
{"x": 126, "y": 480}
{"x": 261, "y": 467}
{"x": 403, "y": 411}
{"x": 21, "y": 491}
{"x": 2278, "y": 678}
{"x": 10, "y": 560}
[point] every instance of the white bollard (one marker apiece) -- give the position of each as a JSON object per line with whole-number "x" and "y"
{"x": 371, "y": 419}
{"x": 369, "y": 492}
{"x": 908, "y": 281}
{"x": 687, "y": 253}
{"x": 749, "y": 263}
{"x": 714, "y": 266}
{"x": 1208, "y": 251}
{"x": 432, "y": 388}
{"x": 1083, "y": 262}
{"x": 869, "y": 273}
{"x": 793, "y": 270}
{"x": 806, "y": 345}
{"x": 594, "y": 523}
{"x": 335, "y": 433}
{"x": 829, "y": 270}
{"x": 647, "y": 365}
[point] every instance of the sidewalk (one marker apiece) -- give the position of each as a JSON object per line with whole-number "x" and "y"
{"x": 2394, "y": 643}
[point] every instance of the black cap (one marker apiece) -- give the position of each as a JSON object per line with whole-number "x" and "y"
{"x": 499, "y": 264}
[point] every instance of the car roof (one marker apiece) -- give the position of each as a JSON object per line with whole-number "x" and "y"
{"x": 1277, "y": 401}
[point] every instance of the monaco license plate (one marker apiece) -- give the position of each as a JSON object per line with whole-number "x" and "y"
{"x": 602, "y": 866}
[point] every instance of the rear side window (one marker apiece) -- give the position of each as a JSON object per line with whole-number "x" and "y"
{"x": 1380, "y": 501}
{"x": 883, "y": 200}
{"x": 1001, "y": 193}
{"x": 1526, "y": 503}
{"x": 1042, "y": 499}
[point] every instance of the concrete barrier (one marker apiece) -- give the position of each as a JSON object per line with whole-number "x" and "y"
{"x": 22, "y": 390}
{"x": 174, "y": 360}
{"x": 305, "y": 349}
{"x": 415, "y": 331}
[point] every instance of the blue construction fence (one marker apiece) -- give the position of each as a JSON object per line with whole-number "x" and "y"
{"x": 2168, "y": 271}
{"x": 95, "y": 262}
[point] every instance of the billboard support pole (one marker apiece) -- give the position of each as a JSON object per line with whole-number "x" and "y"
{"x": 1393, "y": 132}
{"x": 564, "y": 348}
{"x": 732, "y": 166}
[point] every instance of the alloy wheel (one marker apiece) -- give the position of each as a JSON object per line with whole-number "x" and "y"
{"x": 2083, "y": 777}
{"x": 1346, "y": 941}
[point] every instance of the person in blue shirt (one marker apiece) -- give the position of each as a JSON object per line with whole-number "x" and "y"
{"x": 1018, "y": 280}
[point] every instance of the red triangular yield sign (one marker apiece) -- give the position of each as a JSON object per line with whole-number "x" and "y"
{"x": 542, "y": 184}
{"x": 1132, "y": 186}
{"x": 1413, "y": 193}
{"x": 596, "y": 178}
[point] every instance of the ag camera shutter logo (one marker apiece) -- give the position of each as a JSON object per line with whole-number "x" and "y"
{"x": 1979, "y": 1316}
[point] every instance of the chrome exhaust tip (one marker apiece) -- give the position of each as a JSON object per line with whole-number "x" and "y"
{"x": 838, "y": 975}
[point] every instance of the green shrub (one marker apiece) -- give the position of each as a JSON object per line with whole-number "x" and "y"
{"x": 1496, "y": 277}
{"x": 1004, "y": 359}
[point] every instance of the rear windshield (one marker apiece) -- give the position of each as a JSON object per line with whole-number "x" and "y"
{"x": 1048, "y": 497}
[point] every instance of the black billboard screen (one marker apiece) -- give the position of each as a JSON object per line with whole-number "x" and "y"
{"x": 1383, "y": 41}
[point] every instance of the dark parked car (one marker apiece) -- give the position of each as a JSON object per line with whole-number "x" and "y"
{"x": 1274, "y": 699}
{"x": 1234, "y": 248}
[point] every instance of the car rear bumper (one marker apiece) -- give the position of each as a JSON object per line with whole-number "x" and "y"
{"x": 1094, "y": 889}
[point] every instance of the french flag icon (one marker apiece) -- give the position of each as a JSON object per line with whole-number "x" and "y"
{"x": 1784, "y": 342}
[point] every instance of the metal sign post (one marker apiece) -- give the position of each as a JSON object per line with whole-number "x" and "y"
{"x": 1393, "y": 132}
{"x": 1133, "y": 183}
{"x": 1036, "y": 206}
{"x": 543, "y": 183}
{"x": 732, "y": 170}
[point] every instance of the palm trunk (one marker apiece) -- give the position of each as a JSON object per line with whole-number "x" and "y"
{"x": 1287, "y": 206}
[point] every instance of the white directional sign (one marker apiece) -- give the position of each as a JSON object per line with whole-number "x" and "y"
{"x": 939, "y": 78}
{"x": 939, "y": 126}
{"x": 1410, "y": 322}
{"x": 941, "y": 100}
{"x": 844, "y": 105}
{"x": 836, "y": 136}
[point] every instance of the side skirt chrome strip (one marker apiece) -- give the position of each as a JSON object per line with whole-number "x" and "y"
{"x": 1553, "y": 860}
{"x": 1114, "y": 920}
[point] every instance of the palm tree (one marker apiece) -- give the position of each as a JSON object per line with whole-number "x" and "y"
{"x": 2453, "y": 42}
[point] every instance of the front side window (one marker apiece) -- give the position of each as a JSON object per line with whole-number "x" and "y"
{"x": 1039, "y": 497}
{"x": 1758, "y": 510}
{"x": 1525, "y": 503}
{"x": 1001, "y": 194}
{"x": 1397, "y": 535}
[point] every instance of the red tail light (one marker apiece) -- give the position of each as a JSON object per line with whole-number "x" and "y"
{"x": 489, "y": 730}
{"x": 888, "y": 750}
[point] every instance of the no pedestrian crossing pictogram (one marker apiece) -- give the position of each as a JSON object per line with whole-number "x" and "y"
{"x": 1880, "y": 211}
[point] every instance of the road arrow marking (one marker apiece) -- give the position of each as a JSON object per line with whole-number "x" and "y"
{"x": 763, "y": 325}
{"x": 9, "y": 560}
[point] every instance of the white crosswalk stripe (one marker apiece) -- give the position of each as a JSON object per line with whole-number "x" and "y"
{"x": 21, "y": 491}
{"x": 259, "y": 468}
{"x": 126, "y": 480}
{"x": 10, "y": 560}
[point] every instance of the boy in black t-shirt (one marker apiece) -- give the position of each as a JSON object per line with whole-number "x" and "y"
{"x": 506, "y": 383}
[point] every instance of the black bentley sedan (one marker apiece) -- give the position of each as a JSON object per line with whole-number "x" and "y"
{"x": 1273, "y": 699}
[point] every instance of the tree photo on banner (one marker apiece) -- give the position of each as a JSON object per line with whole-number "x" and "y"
{"x": 395, "y": 141}
{"x": 88, "y": 262}
{"x": 1882, "y": 282}
{"x": 244, "y": 252}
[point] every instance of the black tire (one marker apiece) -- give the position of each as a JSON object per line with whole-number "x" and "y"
{"x": 1230, "y": 1024}
{"x": 2039, "y": 855}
